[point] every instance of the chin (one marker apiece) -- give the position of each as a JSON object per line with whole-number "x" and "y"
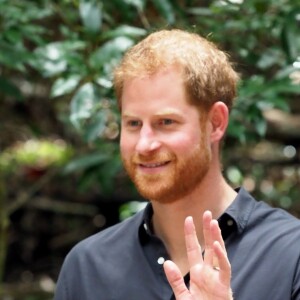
{"x": 164, "y": 196}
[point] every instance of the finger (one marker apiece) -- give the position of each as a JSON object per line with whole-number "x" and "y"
{"x": 216, "y": 233}
{"x": 193, "y": 247}
{"x": 223, "y": 262}
{"x": 216, "y": 236}
{"x": 207, "y": 218}
{"x": 176, "y": 281}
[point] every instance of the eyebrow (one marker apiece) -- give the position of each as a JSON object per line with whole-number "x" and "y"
{"x": 164, "y": 112}
{"x": 169, "y": 111}
{"x": 126, "y": 115}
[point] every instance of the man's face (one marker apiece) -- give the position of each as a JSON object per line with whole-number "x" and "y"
{"x": 164, "y": 147}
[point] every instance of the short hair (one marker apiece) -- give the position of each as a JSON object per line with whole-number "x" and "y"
{"x": 207, "y": 73}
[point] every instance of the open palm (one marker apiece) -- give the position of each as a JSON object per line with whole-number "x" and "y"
{"x": 209, "y": 275}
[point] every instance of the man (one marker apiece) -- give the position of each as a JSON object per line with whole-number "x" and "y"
{"x": 198, "y": 238}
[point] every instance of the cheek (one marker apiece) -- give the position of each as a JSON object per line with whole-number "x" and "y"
{"x": 183, "y": 143}
{"x": 126, "y": 146}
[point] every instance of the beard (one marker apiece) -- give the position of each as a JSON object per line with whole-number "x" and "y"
{"x": 178, "y": 178}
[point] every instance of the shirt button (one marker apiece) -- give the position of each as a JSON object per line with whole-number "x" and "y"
{"x": 230, "y": 222}
{"x": 160, "y": 260}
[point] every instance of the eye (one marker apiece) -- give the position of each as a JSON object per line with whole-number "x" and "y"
{"x": 166, "y": 122}
{"x": 133, "y": 123}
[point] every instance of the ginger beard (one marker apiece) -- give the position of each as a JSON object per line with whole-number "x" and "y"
{"x": 179, "y": 178}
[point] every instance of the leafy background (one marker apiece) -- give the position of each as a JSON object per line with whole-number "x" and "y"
{"x": 60, "y": 174}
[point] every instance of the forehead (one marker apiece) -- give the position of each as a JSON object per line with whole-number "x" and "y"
{"x": 164, "y": 89}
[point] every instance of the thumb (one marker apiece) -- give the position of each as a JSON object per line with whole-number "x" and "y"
{"x": 176, "y": 281}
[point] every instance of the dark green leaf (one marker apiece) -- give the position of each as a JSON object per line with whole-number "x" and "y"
{"x": 108, "y": 173}
{"x": 237, "y": 130}
{"x": 87, "y": 161}
{"x": 166, "y": 10}
{"x": 14, "y": 56}
{"x": 139, "y": 4}
{"x": 9, "y": 88}
{"x": 290, "y": 36}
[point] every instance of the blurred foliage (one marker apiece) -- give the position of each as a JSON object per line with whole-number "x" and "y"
{"x": 38, "y": 154}
{"x": 56, "y": 62}
{"x": 76, "y": 44}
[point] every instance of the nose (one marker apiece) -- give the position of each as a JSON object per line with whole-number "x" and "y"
{"x": 148, "y": 141}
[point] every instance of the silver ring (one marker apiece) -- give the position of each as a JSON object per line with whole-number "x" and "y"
{"x": 216, "y": 268}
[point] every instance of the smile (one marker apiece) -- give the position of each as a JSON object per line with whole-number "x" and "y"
{"x": 154, "y": 165}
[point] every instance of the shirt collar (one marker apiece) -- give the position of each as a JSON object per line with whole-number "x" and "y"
{"x": 241, "y": 208}
{"x": 235, "y": 217}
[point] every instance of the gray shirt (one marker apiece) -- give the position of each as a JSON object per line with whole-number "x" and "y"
{"x": 125, "y": 261}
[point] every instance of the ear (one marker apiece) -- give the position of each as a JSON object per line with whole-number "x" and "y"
{"x": 218, "y": 116}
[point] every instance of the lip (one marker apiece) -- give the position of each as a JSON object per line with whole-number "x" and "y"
{"x": 153, "y": 167}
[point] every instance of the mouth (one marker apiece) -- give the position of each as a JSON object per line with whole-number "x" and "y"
{"x": 153, "y": 168}
{"x": 154, "y": 165}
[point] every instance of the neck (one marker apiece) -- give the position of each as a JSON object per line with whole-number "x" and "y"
{"x": 168, "y": 218}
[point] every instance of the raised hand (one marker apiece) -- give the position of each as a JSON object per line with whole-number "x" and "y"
{"x": 209, "y": 276}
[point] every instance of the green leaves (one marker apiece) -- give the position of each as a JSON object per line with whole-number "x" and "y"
{"x": 290, "y": 35}
{"x": 139, "y": 4}
{"x": 108, "y": 54}
{"x": 9, "y": 88}
{"x": 57, "y": 57}
{"x": 86, "y": 161}
{"x": 91, "y": 15}
{"x": 100, "y": 166}
{"x": 255, "y": 96}
{"x": 14, "y": 56}
{"x": 166, "y": 10}
{"x": 83, "y": 104}
{"x": 76, "y": 45}
{"x": 92, "y": 114}
{"x": 34, "y": 153}
{"x": 125, "y": 31}
{"x": 64, "y": 86}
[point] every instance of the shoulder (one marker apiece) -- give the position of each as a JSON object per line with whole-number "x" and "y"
{"x": 95, "y": 261}
{"x": 266, "y": 243}
{"x": 253, "y": 214}
{"x": 275, "y": 228}
{"x": 111, "y": 239}
{"x": 257, "y": 221}
{"x": 276, "y": 218}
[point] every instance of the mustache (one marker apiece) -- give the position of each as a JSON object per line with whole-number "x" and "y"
{"x": 161, "y": 157}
